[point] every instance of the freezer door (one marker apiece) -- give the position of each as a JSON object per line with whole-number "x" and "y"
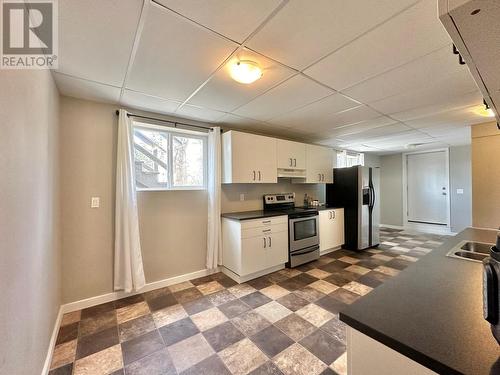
{"x": 375, "y": 188}
{"x": 364, "y": 207}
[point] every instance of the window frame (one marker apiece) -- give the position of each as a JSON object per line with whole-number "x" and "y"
{"x": 171, "y": 131}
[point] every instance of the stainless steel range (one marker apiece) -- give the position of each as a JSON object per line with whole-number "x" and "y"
{"x": 303, "y": 227}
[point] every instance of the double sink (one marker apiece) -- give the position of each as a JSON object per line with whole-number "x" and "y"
{"x": 470, "y": 250}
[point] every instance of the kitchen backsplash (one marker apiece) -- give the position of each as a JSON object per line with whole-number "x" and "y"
{"x": 253, "y": 194}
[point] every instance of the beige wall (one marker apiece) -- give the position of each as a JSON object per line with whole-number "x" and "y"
{"x": 391, "y": 189}
{"x": 29, "y": 218}
{"x": 254, "y": 192}
{"x": 486, "y": 176}
{"x": 173, "y": 224}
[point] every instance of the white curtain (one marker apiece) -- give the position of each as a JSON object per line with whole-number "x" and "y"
{"x": 129, "y": 272}
{"x": 214, "y": 237}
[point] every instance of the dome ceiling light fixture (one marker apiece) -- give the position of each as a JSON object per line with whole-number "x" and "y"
{"x": 245, "y": 71}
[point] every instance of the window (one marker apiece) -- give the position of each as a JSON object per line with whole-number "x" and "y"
{"x": 169, "y": 159}
{"x": 346, "y": 159}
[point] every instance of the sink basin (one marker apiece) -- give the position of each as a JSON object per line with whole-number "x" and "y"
{"x": 470, "y": 250}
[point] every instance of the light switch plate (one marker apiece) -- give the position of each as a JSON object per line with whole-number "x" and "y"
{"x": 460, "y": 191}
{"x": 242, "y": 197}
{"x": 95, "y": 202}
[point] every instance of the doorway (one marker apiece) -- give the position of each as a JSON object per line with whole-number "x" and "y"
{"x": 426, "y": 184}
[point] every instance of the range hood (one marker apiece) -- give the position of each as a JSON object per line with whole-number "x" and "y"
{"x": 291, "y": 173}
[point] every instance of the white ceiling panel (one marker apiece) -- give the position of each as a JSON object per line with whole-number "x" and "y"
{"x": 389, "y": 131}
{"x": 238, "y": 122}
{"x": 199, "y": 113}
{"x": 445, "y": 104}
{"x": 83, "y": 89}
{"x": 350, "y": 117}
{"x": 362, "y": 126}
{"x": 296, "y": 92}
{"x": 236, "y": 19}
{"x": 96, "y": 38}
{"x": 175, "y": 55}
{"x": 454, "y": 85}
{"x": 225, "y": 94}
{"x": 414, "y": 75}
{"x": 304, "y": 31}
{"x": 459, "y": 117}
{"x": 144, "y": 102}
{"x": 409, "y": 35}
{"x": 315, "y": 112}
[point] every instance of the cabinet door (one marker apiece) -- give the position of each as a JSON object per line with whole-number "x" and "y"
{"x": 337, "y": 227}
{"x": 253, "y": 254}
{"x": 291, "y": 155}
{"x": 319, "y": 164}
{"x": 277, "y": 249}
{"x": 325, "y": 231}
{"x": 263, "y": 155}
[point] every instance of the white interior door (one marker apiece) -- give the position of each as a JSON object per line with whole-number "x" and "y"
{"x": 427, "y": 182}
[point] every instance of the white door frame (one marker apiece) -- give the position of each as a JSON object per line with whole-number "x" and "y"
{"x": 421, "y": 226}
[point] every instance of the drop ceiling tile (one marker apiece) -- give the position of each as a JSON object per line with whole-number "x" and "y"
{"x": 145, "y": 102}
{"x": 454, "y": 85}
{"x": 389, "y": 131}
{"x": 303, "y": 32}
{"x": 362, "y": 126}
{"x": 318, "y": 111}
{"x": 350, "y": 117}
{"x": 236, "y": 19}
{"x": 411, "y": 34}
{"x": 199, "y": 113}
{"x": 445, "y": 104}
{"x": 84, "y": 89}
{"x": 459, "y": 117}
{"x": 225, "y": 94}
{"x": 242, "y": 123}
{"x": 175, "y": 55}
{"x": 296, "y": 92}
{"x": 96, "y": 38}
{"x": 414, "y": 75}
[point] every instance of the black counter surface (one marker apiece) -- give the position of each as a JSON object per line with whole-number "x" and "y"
{"x": 432, "y": 312}
{"x": 249, "y": 215}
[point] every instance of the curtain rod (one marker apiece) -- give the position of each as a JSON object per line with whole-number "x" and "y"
{"x": 175, "y": 123}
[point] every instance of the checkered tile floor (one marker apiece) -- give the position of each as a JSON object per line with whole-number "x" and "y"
{"x": 283, "y": 323}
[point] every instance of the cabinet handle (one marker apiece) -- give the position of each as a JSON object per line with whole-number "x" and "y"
{"x": 266, "y": 230}
{"x": 270, "y": 243}
{"x": 264, "y": 242}
{"x": 254, "y": 175}
{"x": 295, "y": 162}
{"x": 291, "y": 162}
{"x": 259, "y": 176}
{"x": 333, "y": 214}
{"x": 319, "y": 174}
{"x": 266, "y": 221}
{"x": 330, "y": 215}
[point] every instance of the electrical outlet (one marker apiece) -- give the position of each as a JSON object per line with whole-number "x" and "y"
{"x": 95, "y": 202}
{"x": 242, "y": 197}
{"x": 460, "y": 191}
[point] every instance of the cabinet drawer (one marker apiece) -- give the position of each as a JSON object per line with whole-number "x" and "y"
{"x": 264, "y": 222}
{"x": 264, "y": 230}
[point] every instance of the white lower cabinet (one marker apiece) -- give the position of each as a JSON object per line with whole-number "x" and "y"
{"x": 251, "y": 248}
{"x": 331, "y": 229}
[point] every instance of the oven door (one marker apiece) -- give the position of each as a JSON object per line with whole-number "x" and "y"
{"x": 303, "y": 232}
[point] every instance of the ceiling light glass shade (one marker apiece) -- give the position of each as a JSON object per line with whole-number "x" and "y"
{"x": 481, "y": 111}
{"x": 245, "y": 71}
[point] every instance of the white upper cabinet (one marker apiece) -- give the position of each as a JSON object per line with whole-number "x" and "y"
{"x": 248, "y": 158}
{"x": 320, "y": 162}
{"x": 291, "y": 155}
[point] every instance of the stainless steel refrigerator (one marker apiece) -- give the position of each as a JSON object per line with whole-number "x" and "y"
{"x": 357, "y": 190}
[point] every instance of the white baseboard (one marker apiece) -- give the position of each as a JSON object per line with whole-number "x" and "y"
{"x": 97, "y": 300}
{"x": 328, "y": 251}
{"x": 392, "y": 226}
{"x": 242, "y": 279}
{"x": 430, "y": 228}
{"x": 52, "y": 343}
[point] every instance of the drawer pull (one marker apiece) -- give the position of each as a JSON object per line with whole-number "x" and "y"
{"x": 266, "y": 230}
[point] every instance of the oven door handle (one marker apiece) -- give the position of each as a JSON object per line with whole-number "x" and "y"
{"x": 305, "y": 251}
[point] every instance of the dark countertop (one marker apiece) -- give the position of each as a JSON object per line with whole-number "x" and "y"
{"x": 248, "y": 215}
{"x": 258, "y": 214}
{"x": 432, "y": 312}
